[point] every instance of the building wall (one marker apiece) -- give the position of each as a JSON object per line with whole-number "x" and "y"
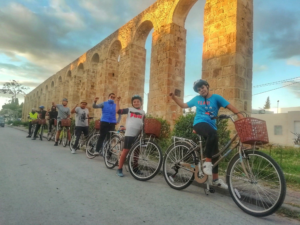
{"x": 117, "y": 64}
{"x": 286, "y": 120}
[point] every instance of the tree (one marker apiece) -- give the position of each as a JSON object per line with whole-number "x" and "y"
{"x": 13, "y": 88}
{"x": 268, "y": 104}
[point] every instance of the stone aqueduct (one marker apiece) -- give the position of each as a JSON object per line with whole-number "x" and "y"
{"x": 117, "y": 64}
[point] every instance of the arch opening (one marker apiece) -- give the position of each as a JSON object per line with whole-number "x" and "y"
{"x": 96, "y": 58}
{"x": 52, "y": 84}
{"x": 182, "y": 10}
{"x": 69, "y": 74}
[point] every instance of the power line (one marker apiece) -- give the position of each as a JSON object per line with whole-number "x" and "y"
{"x": 276, "y": 82}
{"x": 276, "y": 88}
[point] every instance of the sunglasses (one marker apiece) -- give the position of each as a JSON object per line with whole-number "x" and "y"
{"x": 112, "y": 97}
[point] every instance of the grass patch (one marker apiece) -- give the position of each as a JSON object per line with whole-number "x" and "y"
{"x": 288, "y": 213}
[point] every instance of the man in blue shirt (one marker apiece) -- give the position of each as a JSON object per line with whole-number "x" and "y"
{"x": 108, "y": 119}
{"x": 207, "y": 107}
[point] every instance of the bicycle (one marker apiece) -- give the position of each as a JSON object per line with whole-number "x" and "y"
{"x": 255, "y": 181}
{"x": 144, "y": 157}
{"x": 51, "y": 135}
{"x": 83, "y": 141}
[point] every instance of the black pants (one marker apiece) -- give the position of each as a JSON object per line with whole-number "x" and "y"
{"x": 51, "y": 123}
{"x": 38, "y": 126}
{"x": 29, "y": 129}
{"x": 78, "y": 131}
{"x": 105, "y": 128}
{"x": 211, "y": 136}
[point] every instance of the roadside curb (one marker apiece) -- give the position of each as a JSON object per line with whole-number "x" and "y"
{"x": 286, "y": 207}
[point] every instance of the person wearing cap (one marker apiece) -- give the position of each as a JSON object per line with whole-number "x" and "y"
{"x": 31, "y": 116}
{"x": 207, "y": 107}
{"x": 108, "y": 119}
{"x": 42, "y": 116}
{"x": 81, "y": 122}
{"x": 63, "y": 113}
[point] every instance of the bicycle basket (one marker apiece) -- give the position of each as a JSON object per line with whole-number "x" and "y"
{"x": 35, "y": 121}
{"x": 65, "y": 122}
{"x": 97, "y": 125}
{"x": 252, "y": 131}
{"x": 42, "y": 121}
{"x": 152, "y": 127}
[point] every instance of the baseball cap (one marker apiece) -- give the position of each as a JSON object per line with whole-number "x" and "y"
{"x": 65, "y": 99}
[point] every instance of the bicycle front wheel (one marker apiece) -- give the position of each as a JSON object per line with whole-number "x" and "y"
{"x": 179, "y": 164}
{"x": 145, "y": 160}
{"x": 64, "y": 137}
{"x": 73, "y": 139}
{"x": 91, "y": 146}
{"x": 112, "y": 152}
{"x": 256, "y": 183}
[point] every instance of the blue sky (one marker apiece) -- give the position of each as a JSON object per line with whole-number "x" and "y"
{"x": 39, "y": 37}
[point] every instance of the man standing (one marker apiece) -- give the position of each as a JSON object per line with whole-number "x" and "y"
{"x": 31, "y": 116}
{"x": 52, "y": 116}
{"x": 42, "y": 116}
{"x": 63, "y": 113}
{"x": 108, "y": 119}
{"x": 81, "y": 122}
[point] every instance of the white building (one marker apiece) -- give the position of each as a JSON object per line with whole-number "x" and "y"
{"x": 282, "y": 125}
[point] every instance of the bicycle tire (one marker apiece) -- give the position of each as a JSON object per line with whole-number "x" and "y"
{"x": 41, "y": 133}
{"x": 65, "y": 137}
{"x": 72, "y": 142}
{"x": 91, "y": 146}
{"x": 261, "y": 197}
{"x": 49, "y": 136}
{"x": 111, "y": 155}
{"x": 183, "y": 178}
{"x": 145, "y": 163}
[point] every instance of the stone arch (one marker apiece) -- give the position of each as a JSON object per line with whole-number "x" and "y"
{"x": 96, "y": 58}
{"x": 142, "y": 33}
{"x": 180, "y": 11}
{"x": 69, "y": 74}
{"x": 52, "y": 84}
{"x": 114, "y": 50}
{"x": 80, "y": 67}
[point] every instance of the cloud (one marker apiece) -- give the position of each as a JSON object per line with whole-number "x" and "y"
{"x": 259, "y": 68}
{"x": 276, "y": 28}
{"x": 293, "y": 62}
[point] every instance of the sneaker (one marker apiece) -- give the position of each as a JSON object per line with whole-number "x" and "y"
{"x": 220, "y": 183}
{"x": 120, "y": 173}
{"x": 56, "y": 144}
{"x": 29, "y": 136}
{"x": 207, "y": 168}
{"x": 73, "y": 151}
{"x": 96, "y": 153}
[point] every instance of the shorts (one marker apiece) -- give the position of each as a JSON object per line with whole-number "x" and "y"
{"x": 59, "y": 127}
{"x": 129, "y": 141}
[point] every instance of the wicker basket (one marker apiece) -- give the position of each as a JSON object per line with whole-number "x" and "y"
{"x": 42, "y": 121}
{"x": 97, "y": 125}
{"x": 152, "y": 127}
{"x": 35, "y": 121}
{"x": 65, "y": 122}
{"x": 252, "y": 131}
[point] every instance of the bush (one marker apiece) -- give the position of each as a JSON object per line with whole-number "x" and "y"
{"x": 25, "y": 124}
{"x": 16, "y": 123}
{"x": 184, "y": 128}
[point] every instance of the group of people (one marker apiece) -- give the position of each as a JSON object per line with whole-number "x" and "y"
{"x": 207, "y": 108}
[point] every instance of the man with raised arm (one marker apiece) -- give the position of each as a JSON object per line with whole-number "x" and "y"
{"x": 63, "y": 113}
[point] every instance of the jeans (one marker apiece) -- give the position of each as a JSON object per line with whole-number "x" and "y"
{"x": 78, "y": 131}
{"x": 105, "y": 128}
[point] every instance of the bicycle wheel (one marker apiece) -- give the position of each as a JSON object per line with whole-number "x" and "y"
{"x": 64, "y": 137}
{"x": 144, "y": 161}
{"x": 73, "y": 139}
{"x": 112, "y": 152}
{"x": 260, "y": 193}
{"x": 49, "y": 135}
{"x": 42, "y": 132}
{"x": 176, "y": 175}
{"x": 91, "y": 146}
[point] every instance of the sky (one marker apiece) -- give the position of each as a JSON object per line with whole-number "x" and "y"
{"x": 40, "y": 37}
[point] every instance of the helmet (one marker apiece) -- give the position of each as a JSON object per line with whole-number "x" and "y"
{"x": 136, "y": 97}
{"x": 199, "y": 83}
{"x": 42, "y": 107}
